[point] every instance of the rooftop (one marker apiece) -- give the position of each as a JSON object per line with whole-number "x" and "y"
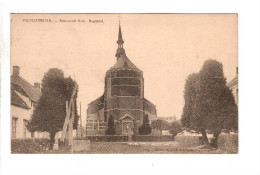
{"x": 24, "y": 87}
{"x": 124, "y": 63}
{"x": 18, "y": 101}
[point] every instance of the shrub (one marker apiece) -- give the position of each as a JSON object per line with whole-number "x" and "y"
{"x": 29, "y": 145}
{"x": 228, "y": 143}
{"x": 175, "y": 128}
{"x": 151, "y": 138}
{"x": 160, "y": 124}
{"x": 145, "y": 129}
{"x": 111, "y": 126}
{"x": 105, "y": 138}
{"x": 64, "y": 145}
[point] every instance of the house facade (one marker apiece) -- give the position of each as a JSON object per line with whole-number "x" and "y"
{"x": 24, "y": 97}
{"x": 123, "y": 98}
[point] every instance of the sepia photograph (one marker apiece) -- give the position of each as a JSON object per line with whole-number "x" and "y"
{"x": 124, "y": 83}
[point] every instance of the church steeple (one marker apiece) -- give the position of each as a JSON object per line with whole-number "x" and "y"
{"x": 120, "y": 50}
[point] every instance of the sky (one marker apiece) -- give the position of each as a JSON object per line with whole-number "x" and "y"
{"x": 166, "y": 47}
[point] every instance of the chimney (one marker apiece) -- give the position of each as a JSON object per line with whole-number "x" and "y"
{"x": 37, "y": 86}
{"x": 16, "y": 70}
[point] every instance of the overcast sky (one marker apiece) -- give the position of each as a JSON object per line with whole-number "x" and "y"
{"x": 166, "y": 47}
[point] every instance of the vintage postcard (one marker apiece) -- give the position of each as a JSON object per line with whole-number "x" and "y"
{"x": 124, "y": 83}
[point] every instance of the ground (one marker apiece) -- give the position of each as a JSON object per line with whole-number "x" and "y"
{"x": 140, "y": 148}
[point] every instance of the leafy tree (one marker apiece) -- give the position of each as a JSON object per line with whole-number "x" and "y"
{"x": 175, "y": 128}
{"x": 209, "y": 103}
{"x": 111, "y": 126}
{"x": 160, "y": 125}
{"x": 145, "y": 128}
{"x": 50, "y": 112}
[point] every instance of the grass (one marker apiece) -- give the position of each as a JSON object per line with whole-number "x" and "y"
{"x": 139, "y": 148}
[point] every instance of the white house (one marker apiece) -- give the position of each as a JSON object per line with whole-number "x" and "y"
{"x": 24, "y": 97}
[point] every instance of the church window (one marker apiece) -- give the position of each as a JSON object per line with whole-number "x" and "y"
{"x": 95, "y": 126}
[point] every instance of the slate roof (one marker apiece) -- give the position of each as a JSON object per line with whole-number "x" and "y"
{"x": 17, "y": 88}
{"x": 30, "y": 91}
{"x": 18, "y": 101}
{"x": 147, "y": 101}
{"x": 98, "y": 105}
{"x": 99, "y": 100}
{"x": 124, "y": 63}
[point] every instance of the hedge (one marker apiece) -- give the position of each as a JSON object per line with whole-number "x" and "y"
{"x": 189, "y": 140}
{"x": 29, "y": 145}
{"x": 152, "y": 138}
{"x": 106, "y": 138}
{"x": 228, "y": 143}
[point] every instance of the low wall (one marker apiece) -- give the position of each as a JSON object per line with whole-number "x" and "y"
{"x": 96, "y": 132}
{"x": 152, "y": 138}
{"x": 228, "y": 143}
{"x": 106, "y": 138}
{"x": 124, "y": 138}
{"x": 189, "y": 141}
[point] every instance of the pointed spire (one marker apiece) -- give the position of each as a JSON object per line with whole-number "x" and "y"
{"x": 120, "y": 50}
{"x": 120, "y": 38}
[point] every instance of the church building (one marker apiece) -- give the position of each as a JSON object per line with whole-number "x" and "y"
{"x": 123, "y": 98}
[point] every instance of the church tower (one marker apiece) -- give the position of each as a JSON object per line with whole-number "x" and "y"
{"x": 120, "y": 50}
{"x": 124, "y": 93}
{"x": 123, "y": 98}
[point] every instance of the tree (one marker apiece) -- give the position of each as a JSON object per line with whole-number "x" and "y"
{"x": 111, "y": 126}
{"x": 209, "y": 103}
{"x": 50, "y": 112}
{"x": 160, "y": 125}
{"x": 145, "y": 128}
{"x": 175, "y": 128}
{"x": 188, "y": 119}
